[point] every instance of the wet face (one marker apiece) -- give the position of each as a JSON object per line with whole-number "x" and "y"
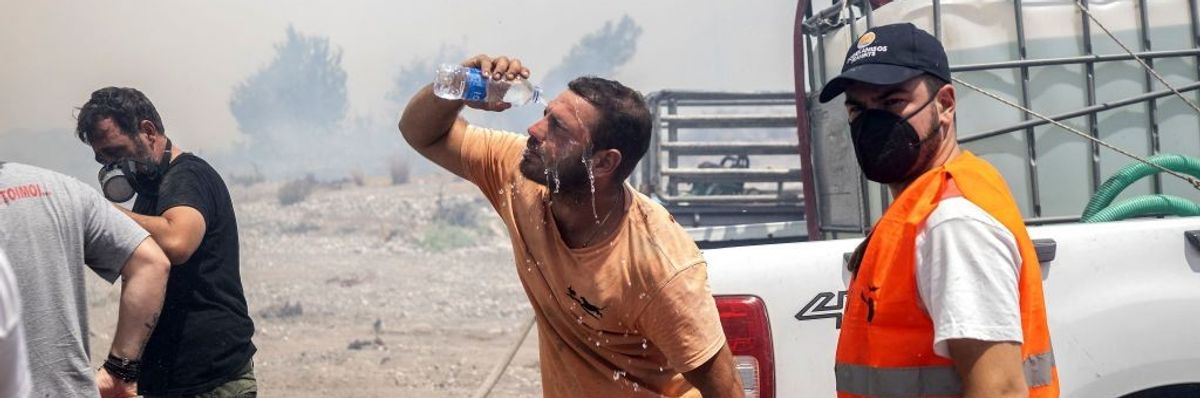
{"x": 558, "y": 153}
{"x": 110, "y": 144}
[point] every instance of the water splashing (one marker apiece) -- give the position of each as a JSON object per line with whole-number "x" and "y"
{"x": 587, "y": 165}
{"x": 550, "y": 172}
{"x": 557, "y": 182}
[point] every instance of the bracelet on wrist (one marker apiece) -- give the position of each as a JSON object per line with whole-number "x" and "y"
{"x": 128, "y": 370}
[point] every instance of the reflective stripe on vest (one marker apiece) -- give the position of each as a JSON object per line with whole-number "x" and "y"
{"x": 925, "y": 381}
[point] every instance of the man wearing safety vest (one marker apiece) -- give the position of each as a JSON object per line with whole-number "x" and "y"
{"x": 946, "y": 298}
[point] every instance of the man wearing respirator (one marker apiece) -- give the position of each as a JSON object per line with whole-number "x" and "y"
{"x": 202, "y": 342}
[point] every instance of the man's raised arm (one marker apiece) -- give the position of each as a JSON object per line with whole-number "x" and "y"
{"x": 432, "y": 125}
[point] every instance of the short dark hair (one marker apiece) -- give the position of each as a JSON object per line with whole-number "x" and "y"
{"x": 126, "y": 106}
{"x": 624, "y": 120}
{"x": 932, "y": 83}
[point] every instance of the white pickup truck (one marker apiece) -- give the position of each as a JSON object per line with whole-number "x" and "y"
{"x": 1123, "y": 296}
{"x": 1123, "y": 301}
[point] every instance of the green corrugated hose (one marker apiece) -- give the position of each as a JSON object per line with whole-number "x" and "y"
{"x": 1145, "y": 205}
{"x": 1130, "y": 174}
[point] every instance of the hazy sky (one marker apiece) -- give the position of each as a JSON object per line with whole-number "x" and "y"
{"x": 188, "y": 55}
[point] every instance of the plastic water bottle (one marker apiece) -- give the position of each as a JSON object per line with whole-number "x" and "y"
{"x": 455, "y": 82}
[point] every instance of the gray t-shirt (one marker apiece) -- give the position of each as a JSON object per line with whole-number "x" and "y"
{"x": 50, "y": 226}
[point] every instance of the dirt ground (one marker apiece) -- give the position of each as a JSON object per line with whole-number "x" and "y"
{"x": 372, "y": 291}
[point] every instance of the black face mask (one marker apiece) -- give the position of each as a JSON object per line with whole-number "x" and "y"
{"x": 888, "y": 148}
{"x": 119, "y": 180}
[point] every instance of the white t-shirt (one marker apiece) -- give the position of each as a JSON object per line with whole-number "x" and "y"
{"x": 968, "y": 268}
{"x": 14, "y": 365}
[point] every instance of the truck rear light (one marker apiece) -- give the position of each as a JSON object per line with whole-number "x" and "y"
{"x": 748, "y": 333}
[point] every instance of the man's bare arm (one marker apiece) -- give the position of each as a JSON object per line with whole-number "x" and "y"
{"x": 717, "y": 378}
{"x": 178, "y": 232}
{"x": 432, "y": 126}
{"x": 989, "y": 369}
{"x": 143, "y": 286}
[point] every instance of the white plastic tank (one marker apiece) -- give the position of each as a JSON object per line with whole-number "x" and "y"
{"x": 980, "y": 32}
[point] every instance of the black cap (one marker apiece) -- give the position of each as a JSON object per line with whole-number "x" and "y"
{"x": 887, "y": 55}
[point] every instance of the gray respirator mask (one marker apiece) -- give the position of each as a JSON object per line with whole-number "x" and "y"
{"x": 121, "y": 179}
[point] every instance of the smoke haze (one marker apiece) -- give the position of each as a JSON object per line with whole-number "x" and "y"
{"x": 192, "y": 58}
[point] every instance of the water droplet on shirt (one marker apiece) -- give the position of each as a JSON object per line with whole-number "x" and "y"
{"x": 645, "y": 344}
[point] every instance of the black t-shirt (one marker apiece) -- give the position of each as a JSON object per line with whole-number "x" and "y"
{"x": 203, "y": 335}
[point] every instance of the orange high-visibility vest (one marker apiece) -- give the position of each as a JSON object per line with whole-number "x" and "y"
{"x": 886, "y": 343}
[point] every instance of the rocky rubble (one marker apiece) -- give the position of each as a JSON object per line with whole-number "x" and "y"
{"x": 350, "y": 299}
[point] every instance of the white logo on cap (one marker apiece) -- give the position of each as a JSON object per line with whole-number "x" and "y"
{"x": 865, "y": 49}
{"x": 866, "y": 52}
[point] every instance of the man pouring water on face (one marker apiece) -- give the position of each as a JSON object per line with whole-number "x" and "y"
{"x": 619, "y": 290}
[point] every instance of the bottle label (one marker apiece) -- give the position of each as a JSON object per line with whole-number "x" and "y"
{"x": 476, "y": 87}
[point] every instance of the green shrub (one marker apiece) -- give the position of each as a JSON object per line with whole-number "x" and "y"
{"x": 441, "y": 237}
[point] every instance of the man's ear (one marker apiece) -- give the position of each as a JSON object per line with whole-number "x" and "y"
{"x": 147, "y": 127}
{"x": 947, "y": 100}
{"x": 606, "y": 162}
{"x": 151, "y": 133}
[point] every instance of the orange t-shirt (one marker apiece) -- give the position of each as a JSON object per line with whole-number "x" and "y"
{"x": 621, "y": 318}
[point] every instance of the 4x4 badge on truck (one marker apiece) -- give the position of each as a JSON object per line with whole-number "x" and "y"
{"x": 820, "y": 307}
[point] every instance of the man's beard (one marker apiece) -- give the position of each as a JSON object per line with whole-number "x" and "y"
{"x": 929, "y": 146}
{"x": 143, "y": 152}
{"x": 567, "y": 175}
